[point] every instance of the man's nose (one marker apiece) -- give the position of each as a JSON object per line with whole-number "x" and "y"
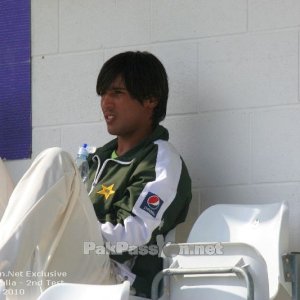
{"x": 106, "y": 101}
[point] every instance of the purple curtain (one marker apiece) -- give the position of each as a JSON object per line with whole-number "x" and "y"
{"x": 15, "y": 80}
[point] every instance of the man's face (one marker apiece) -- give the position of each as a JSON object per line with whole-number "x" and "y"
{"x": 125, "y": 116}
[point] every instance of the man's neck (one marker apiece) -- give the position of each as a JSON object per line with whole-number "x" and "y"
{"x": 125, "y": 144}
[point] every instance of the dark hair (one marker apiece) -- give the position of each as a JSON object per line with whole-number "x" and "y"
{"x": 144, "y": 77}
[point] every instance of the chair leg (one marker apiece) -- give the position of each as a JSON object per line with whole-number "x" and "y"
{"x": 291, "y": 268}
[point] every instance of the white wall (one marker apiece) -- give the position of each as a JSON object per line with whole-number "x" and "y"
{"x": 233, "y": 65}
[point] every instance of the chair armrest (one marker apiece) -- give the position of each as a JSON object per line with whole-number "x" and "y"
{"x": 197, "y": 261}
{"x": 205, "y": 271}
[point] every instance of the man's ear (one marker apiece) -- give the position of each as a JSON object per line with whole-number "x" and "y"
{"x": 151, "y": 103}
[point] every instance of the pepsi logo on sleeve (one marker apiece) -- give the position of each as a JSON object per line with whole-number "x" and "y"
{"x": 151, "y": 204}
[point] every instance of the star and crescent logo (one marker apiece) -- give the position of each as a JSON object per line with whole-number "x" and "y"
{"x": 106, "y": 191}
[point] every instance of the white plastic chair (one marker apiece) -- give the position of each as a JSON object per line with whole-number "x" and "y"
{"x": 70, "y": 291}
{"x": 253, "y": 238}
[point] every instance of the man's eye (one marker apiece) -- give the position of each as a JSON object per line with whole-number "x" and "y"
{"x": 118, "y": 92}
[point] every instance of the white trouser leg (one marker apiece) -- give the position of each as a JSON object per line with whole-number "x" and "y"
{"x": 48, "y": 218}
{"x": 6, "y": 187}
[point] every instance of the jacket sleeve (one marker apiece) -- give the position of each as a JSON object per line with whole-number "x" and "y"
{"x": 153, "y": 188}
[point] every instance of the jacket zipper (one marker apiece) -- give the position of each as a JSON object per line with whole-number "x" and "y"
{"x": 99, "y": 170}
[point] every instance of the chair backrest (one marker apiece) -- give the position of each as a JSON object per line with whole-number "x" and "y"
{"x": 70, "y": 291}
{"x": 263, "y": 226}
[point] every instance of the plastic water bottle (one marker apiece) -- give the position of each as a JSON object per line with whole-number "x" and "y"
{"x": 82, "y": 163}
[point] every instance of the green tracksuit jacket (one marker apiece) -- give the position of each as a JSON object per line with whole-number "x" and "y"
{"x": 137, "y": 196}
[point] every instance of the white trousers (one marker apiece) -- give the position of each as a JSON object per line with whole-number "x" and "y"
{"x": 46, "y": 223}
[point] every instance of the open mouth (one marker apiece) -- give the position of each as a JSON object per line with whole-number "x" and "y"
{"x": 109, "y": 118}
